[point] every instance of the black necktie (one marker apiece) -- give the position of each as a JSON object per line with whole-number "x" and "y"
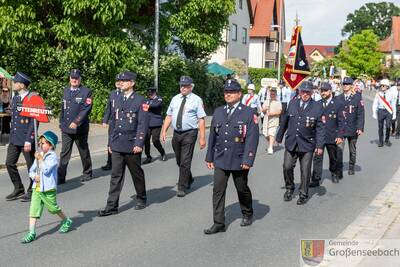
{"x": 303, "y": 105}
{"x": 230, "y": 109}
{"x": 180, "y": 114}
{"x": 384, "y": 95}
{"x": 325, "y": 103}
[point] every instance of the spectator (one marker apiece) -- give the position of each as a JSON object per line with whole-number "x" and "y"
{"x": 272, "y": 110}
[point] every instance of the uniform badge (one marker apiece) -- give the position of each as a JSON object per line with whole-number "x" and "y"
{"x": 145, "y": 107}
{"x": 88, "y": 101}
{"x": 324, "y": 119}
{"x": 22, "y": 121}
{"x": 237, "y": 139}
{"x": 26, "y": 121}
{"x": 251, "y": 154}
{"x": 240, "y": 129}
{"x": 308, "y": 122}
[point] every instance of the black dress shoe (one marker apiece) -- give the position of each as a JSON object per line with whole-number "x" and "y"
{"x": 107, "y": 212}
{"x": 314, "y": 184}
{"x": 140, "y": 205}
{"x": 388, "y": 143}
{"x": 15, "y": 195}
{"x": 246, "y": 221}
{"x": 26, "y": 197}
{"x": 335, "y": 179}
{"x": 351, "y": 172}
{"x": 163, "y": 157}
{"x": 86, "y": 178}
{"x": 215, "y": 228}
{"x": 106, "y": 167}
{"x": 180, "y": 193}
{"x": 380, "y": 144}
{"x": 288, "y": 196}
{"x": 340, "y": 175}
{"x": 147, "y": 160}
{"x": 302, "y": 199}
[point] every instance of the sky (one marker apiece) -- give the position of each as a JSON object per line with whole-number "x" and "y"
{"x": 322, "y": 20}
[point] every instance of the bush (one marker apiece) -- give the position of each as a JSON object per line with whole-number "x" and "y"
{"x": 256, "y": 75}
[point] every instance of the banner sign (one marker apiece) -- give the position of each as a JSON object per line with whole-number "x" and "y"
{"x": 297, "y": 68}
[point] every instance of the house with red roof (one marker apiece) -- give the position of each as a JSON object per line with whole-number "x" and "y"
{"x": 269, "y": 21}
{"x": 236, "y": 37}
{"x": 314, "y": 53}
{"x": 391, "y": 45}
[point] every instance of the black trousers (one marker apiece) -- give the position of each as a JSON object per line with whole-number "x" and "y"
{"x": 183, "y": 144}
{"x": 66, "y": 150}
{"x": 13, "y": 153}
{"x": 119, "y": 162}
{"x": 240, "y": 179}
{"x": 397, "y": 121}
{"x": 154, "y": 134}
{"x": 352, "y": 140}
{"x": 110, "y": 129}
{"x": 284, "y": 109}
{"x": 384, "y": 121}
{"x": 319, "y": 159}
{"x": 289, "y": 163}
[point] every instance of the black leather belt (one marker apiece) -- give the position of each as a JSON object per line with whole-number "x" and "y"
{"x": 181, "y": 132}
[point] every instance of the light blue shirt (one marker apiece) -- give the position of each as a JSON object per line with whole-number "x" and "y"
{"x": 285, "y": 94}
{"x": 47, "y": 172}
{"x": 192, "y": 112}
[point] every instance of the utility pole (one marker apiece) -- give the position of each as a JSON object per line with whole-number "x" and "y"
{"x": 280, "y": 40}
{"x": 156, "y": 42}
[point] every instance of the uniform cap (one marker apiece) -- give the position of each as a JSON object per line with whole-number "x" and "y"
{"x": 151, "y": 88}
{"x": 22, "y": 78}
{"x": 127, "y": 76}
{"x": 75, "y": 74}
{"x": 348, "y": 81}
{"x": 306, "y": 86}
{"x": 325, "y": 86}
{"x": 385, "y": 82}
{"x": 232, "y": 85}
{"x": 50, "y": 137}
{"x": 185, "y": 80}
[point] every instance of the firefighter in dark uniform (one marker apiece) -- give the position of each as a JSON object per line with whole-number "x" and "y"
{"x": 74, "y": 124}
{"x": 22, "y": 138}
{"x": 108, "y": 118}
{"x": 353, "y": 123}
{"x": 126, "y": 144}
{"x": 155, "y": 103}
{"x": 232, "y": 148}
{"x": 333, "y": 123}
{"x": 305, "y": 135}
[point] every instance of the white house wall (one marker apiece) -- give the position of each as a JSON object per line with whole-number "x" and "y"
{"x": 256, "y": 52}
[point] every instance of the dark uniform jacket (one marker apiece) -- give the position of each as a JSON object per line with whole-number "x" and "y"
{"x": 333, "y": 122}
{"x": 110, "y": 107}
{"x": 155, "y": 112}
{"x": 76, "y": 107}
{"x": 233, "y": 142}
{"x": 22, "y": 128}
{"x": 304, "y": 128}
{"x": 353, "y": 114}
{"x": 131, "y": 123}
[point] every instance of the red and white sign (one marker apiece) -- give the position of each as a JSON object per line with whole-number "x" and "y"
{"x": 34, "y": 107}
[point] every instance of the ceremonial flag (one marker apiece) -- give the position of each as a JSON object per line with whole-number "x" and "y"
{"x": 332, "y": 71}
{"x": 297, "y": 68}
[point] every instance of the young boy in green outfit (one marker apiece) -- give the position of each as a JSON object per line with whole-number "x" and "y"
{"x": 44, "y": 175}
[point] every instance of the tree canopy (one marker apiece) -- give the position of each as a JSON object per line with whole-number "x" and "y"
{"x": 46, "y": 38}
{"x": 374, "y": 16}
{"x": 360, "y": 55}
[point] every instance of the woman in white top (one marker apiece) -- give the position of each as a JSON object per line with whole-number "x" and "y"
{"x": 272, "y": 110}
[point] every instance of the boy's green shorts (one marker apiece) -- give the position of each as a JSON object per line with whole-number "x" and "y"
{"x": 43, "y": 199}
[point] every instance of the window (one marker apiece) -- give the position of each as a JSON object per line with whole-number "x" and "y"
{"x": 241, "y": 4}
{"x": 244, "y": 36}
{"x": 234, "y": 32}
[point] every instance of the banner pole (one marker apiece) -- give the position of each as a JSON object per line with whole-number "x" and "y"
{"x": 36, "y": 135}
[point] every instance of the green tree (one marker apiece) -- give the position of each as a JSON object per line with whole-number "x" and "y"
{"x": 361, "y": 55}
{"x": 374, "y": 16}
{"x": 46, "y": 38}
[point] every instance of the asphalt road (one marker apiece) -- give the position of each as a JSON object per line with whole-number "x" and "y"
{"x": 169, "y": 232}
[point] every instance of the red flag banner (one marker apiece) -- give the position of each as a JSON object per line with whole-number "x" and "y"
{"x": 297, "y": 68}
